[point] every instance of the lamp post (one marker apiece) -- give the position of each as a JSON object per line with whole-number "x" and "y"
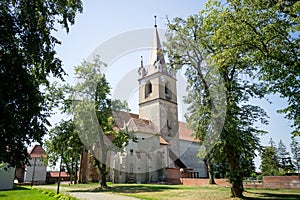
{"x": 181, "y": 171}
{"x": 32, "y": 178}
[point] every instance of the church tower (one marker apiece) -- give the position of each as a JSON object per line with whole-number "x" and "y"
{"x": 158, "y": 96}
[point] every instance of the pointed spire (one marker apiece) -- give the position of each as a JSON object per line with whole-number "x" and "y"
{"x": 142, "y": 65}
{"x": 156, "y": 54}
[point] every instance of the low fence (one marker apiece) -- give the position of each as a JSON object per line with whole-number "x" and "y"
{"x": 286, "y": 182}
{"x": 271, "y": 182}
{"x": 197, "y": 181}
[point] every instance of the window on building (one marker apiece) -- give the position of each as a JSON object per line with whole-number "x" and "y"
{"x": 166, "y": 89}
{"x": 148, "y": 89}
{"x": 167, "y": 92}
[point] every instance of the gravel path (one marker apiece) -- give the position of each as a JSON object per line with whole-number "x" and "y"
{"x": 88, "y": 195}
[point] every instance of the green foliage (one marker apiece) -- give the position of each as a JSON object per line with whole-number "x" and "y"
{"x": 269, "y": 162}
{"x": 53, "y": 194}
{"x": 27, "y": 60}
{"x": 64, "y": 143}
{"x": 284, "y": 159}
{"x": 94, "y": 117}
{"x": 119, "y": 105}
{"x": 295, "y": 148}
{"x": 28, "y": 193}
{"x": 255, "y": 50}
{"x": 218, "y": 93}
{"x": 262, "y": 35}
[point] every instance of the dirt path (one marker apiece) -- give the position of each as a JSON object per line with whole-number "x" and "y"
{"x": 87, "y": 195}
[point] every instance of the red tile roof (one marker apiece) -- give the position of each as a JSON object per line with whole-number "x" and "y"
{"x": 162, "y": 141}
{"x": 134, "y": 123}
{"x": 56, "y": 174}
{"x": 185, "y": 133}
{"x": 37, "y": 151}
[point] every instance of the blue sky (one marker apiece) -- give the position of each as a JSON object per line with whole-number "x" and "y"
{"x": 102, "y": 20}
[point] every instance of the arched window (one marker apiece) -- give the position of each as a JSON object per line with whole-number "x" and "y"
{"x": 166, "y": 89}
{"x": 167, "y": 92}
{"x": 148, "y": 89}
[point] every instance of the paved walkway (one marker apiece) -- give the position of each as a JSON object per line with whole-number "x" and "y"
{"x": 99, "y": 195}
{"x": 88, "y": 195}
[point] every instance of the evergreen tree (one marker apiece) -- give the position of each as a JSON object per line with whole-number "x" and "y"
{"x": 295, "y": 148}
{"x": 269, "y": 163}
{"x": 284, "y": 158}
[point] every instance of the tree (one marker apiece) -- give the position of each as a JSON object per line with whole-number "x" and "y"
{"x": 219, "y": 113}
{"x": 119, "y": 105}
{"x": 64, "y": 143}
{"x": 27, "y": 60}
{"x": 94, "y": 118}
{"x": 265, "y": 36}
{"x": 269, "y": 162}
{"x": 295, "y": 148}
{"x": 284, "y": 158}
{"x": 251, "y": 39}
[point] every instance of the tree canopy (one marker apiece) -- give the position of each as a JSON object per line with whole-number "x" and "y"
{"x": 64, "y": 143}
{"x": 27, "y": 60}
{"x": 93, "y": 115}
{"x": 234, "y": 51}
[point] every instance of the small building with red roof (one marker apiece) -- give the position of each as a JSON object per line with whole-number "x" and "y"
{"x": 36, "y": 171}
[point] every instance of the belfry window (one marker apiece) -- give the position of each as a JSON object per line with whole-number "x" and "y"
{"x": 148, "y": 89}
{"x": 167, "y": 92}
{"x": 166, "y": 89}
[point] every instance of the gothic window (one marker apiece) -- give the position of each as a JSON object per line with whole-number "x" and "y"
{"x": 166, "y": 89}
{"x": 148, "y": 89}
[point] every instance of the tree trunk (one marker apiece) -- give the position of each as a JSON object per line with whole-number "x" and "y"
{"x": 103, "y": 175}
{"x": 235, "y": 179}
{"x": 210, "y": 170}
{"x": 76, "y": 172}
{"x": 103, "y": 168}
{"x": 71, "y": 174}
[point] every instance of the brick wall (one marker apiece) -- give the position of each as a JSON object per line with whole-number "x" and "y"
{"x": 287, "y": 182}
{"x": 197, "y": 181}
{"x": 272, "y": 182}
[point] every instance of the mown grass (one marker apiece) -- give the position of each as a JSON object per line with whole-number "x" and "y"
{"x": 27, "y": 193}
{"x": 176, "y": 192}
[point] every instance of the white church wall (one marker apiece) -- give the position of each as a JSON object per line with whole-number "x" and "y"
{"x": 189, "y": 151}
{"x": 140, "y": 160}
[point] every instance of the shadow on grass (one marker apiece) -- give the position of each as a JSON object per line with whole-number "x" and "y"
{"x": 21, "y": 188}
{"x": 129, "y": 189}
{"x": 17, "y": 188}
{"x": 271, "y": 195}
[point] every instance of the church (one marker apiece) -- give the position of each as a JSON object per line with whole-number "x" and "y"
{"x": 164, "y": 145}
{"x": 165, "y": 150}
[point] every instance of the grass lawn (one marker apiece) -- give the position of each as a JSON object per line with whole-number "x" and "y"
{"x": 28, "y": 193}
{"x": 176, "y": 192}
